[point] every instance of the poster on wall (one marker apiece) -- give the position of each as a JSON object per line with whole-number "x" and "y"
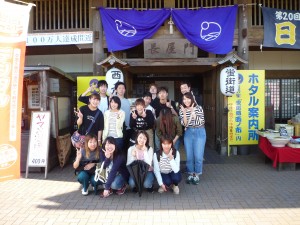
{"x": 247, "y": 108}
{"x": 86, "y": 86}
{"x": 13, "y": 32}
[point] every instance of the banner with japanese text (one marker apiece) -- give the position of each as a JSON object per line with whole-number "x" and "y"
{"x": 281, "y": 28}
{"x": 247, "y": 108}
{"x": 14, "y": 20}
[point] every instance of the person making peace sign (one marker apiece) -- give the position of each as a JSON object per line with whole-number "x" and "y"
{"x": 141, "y": 119}
{"x": 192, "y": 118}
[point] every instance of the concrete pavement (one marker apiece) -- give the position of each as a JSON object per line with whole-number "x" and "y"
{"x": 237, "y": 190}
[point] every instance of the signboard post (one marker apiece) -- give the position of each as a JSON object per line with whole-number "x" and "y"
{"x": 38, "y": 148}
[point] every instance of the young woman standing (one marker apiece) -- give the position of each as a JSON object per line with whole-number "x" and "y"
{"x": 113, "y": 122}
{"x": 192, "y": 118}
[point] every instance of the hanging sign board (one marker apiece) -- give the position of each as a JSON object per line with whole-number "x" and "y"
{"x": 38, "y": 147}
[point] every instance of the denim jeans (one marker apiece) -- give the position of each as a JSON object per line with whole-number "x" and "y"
{"x": 120, "y": 144}
{"x": 194, "y": 144}
{"x": 118, "y": 182}
{"x": 171, "y": 178}
{"x": 148, "y": 182}
{"x": 86, "y": 179}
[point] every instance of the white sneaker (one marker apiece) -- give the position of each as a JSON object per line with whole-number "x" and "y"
{"x": 175, "y": 189}
{"x": 84, "y": 192}
{"x": 161, "y": 190}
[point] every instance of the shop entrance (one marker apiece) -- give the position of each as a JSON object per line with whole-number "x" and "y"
{"x": 172, "y": 82}
{"x": 204, "y": 85}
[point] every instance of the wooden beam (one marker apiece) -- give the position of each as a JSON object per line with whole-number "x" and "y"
{"x": 172, "y": 62}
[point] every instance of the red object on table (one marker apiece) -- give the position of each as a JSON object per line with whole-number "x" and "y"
{"x": 279, "y": 155}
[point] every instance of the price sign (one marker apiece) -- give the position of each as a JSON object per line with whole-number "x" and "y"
{"x": 38, "y": 147}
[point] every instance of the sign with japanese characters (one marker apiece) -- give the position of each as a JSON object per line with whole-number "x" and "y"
{"x": 281, "y": 28}
{"x": 247, "y": 108}
{"x": 38, "y": 147}
{"x": 13, "y": 31}
{"x": 61, "y": 38}
{"x": 169, "y": 48}
{"x": 229, "y": 83}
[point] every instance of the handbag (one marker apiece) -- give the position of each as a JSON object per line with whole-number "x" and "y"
{"x": 101, "y": 174}
{"x": 78, "y": 139}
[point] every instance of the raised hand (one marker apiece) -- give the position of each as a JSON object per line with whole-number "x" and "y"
{"x": 144, "y": 113}
{"x": 168, "y": 104}
{"x": 133, "y": 114}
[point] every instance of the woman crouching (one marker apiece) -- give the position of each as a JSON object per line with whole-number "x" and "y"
{"x": 115, "y": 162}
{"x": 85, "y": 163}
{"x": 166, "y": 164}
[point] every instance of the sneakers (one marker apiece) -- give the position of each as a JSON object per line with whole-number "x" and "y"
{"x": 190, "y": 179}
{"x": 84, "y": 192}
{"x": 109, "y": 193}
{"x": 175, "y": 189}
{"x": 150, "y": 190}
{"x": 193, "y": 179}
{"x": 122, "y": 190}
{"x": 196, "y": 180}
{"x": 161, "y": 190}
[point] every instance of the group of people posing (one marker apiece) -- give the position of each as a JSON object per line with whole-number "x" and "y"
{"x": 151, "y": 132}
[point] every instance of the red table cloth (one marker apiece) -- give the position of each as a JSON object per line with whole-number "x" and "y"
{"x": 279, "y": 155}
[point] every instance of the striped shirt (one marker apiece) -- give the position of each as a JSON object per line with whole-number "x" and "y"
{"x": 194, "y": 122}
{"x": 112, "y": 124}
{"x": 164, "y": 165}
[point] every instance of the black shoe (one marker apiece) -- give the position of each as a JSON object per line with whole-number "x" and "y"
{"x": 134, "y": 190}
{"x": 150, "y": 190}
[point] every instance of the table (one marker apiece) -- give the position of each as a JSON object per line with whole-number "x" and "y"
{"x": 279, "y": 155}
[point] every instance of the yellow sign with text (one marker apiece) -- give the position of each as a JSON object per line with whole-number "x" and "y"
{"x": 247, "y": 108}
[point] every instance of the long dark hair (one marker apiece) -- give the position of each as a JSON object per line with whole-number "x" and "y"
{"x": 144, "y": 133}
{"x": 112, "y": 140}
{"x": 166, "y": 125}
{"x": 190, "y": 96}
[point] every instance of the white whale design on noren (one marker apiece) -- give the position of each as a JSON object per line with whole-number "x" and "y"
{"x": 210, "y": 31}
{"x": 125, "y": 29}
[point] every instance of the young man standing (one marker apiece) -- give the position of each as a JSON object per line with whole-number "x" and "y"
{"x": 185, "y": 86}
{"x": 120, "y": 89}
{"x": 163, "y": 102}
{"x": 148, "y": 98}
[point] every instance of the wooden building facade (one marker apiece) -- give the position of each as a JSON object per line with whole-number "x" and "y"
{"x": 202, "y": 70}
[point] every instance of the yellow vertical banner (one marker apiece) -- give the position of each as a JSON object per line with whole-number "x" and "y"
{"x": 247, "y": 108}
{"x": 84, "y": 82}
{"x": 13, "y": 33}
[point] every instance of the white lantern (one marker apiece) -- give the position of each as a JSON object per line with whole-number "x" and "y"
{"x": 229, "y": 82}
{"x": 113, "y": 76}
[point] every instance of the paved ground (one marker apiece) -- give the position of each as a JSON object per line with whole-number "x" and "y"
{"x": 234, "y": 190}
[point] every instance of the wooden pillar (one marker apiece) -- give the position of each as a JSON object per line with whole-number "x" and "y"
{"x": 98, "y": 48}
{"x": 243, "y": 44}
{"x": 43, "y": 85}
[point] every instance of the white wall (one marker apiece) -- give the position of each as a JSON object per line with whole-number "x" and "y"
{"x": 274, "y": 60}
{"x": 69, "y": 63}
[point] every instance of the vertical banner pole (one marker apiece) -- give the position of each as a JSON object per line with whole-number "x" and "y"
{"x": 14, "y": 20}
